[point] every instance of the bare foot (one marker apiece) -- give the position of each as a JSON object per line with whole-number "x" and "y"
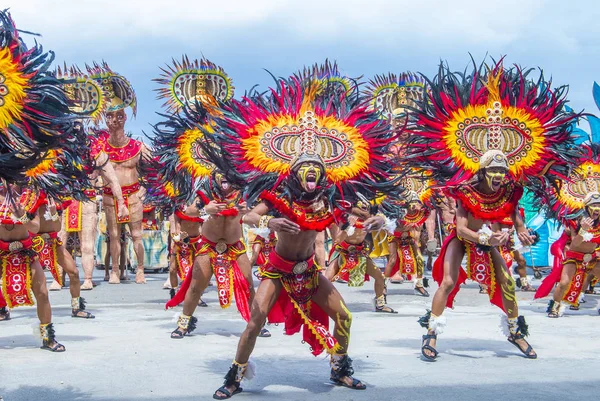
{"x": 114, "y": 278}
{"x": 87, "y": 285}
{"x": 54, "y": 286}
{"x": 139, "y": 277}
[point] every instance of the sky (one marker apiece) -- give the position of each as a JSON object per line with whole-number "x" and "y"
{"x": 366, "y": 38}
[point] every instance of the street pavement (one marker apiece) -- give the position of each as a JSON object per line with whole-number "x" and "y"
{"x": 126, "y": 353}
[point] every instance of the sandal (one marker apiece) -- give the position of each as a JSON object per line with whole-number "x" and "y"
{"x": 264, "y": 333}
{"x": 82, "y": 314}
{"x": 513, "y": 340}
{"x": 49, "y": 339}
{"x": 57, "y": 347}
{"x": 227, "y": 393}
{"x": 384, "y": 309}
{"x": 4, "y": 314}
{"x": 421, "y": 291}
{"x": 78, "y": 309}
{"x": 427, "y": 347}
{"x": 356, "y": 384}
{"x": 342, "y": 368}
{"x": 202, "y": 303}
{"x": 574, "y": 307}
{"x": 185, "y": 325}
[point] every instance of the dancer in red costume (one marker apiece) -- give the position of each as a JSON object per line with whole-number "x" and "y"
{"x": 350, "y": 260}
{"x": 577, "y": 252}
{"x": 177, "y": 144}
{"x": 483, "y": 135}
{"x": 300, "y": 185}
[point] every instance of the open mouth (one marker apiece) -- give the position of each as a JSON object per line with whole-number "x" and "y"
{"x": 311, "y": 181}
{"x": 224, "y": 184}
{"x": 496, "y": 182}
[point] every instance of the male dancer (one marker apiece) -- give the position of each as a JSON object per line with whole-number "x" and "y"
{"x": 125, "y": 155}
{"x": 295, "y": 183}
{"x": 350, "y": 258}
{"x": 469, "y": 136}
{"x": 405, "y": 245}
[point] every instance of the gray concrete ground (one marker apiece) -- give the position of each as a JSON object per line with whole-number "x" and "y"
{"x": 126, "y": 352}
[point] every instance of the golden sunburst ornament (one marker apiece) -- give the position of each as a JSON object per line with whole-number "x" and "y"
{"x": 190, "y": 152}
{"x": 13, "y": 85}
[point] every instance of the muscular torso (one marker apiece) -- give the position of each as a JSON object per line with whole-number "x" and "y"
{"x": 357, "y": 237}
{"x": 584, "y": 247}
{"x": 16, "y": 232}
{"x": 219, "y": 228}
{"x": 192, "y": 228}
{"x": 296, "y": 247}
{"x": 48, "y": 226}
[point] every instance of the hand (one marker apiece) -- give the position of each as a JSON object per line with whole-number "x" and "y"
{"x": 498, "y": 238}
{"x": 242, "y": 207}
{"x": 526, "y": 238}
{"x": 284, "y": 225}
{"x": 214, "y": 208}
{"x": 123, "y": 211}
{"x": 374, "y": 223}
{"x": 587, "y": 223}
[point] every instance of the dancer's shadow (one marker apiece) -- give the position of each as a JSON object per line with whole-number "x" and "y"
{"x": 30, "y": 341}
{"x": 460, "y": 347}
{"x": 28, "y": 393}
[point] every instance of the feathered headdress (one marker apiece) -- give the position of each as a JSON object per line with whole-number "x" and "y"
{"x": 33, "y": 108}
{"x": 390, "y": 95}
{"x": 493, "y": 109}
{"x": 262, "y": 136}
{"x": 192, "y": 89}
{"x": 119, "y": 93}
{"x": 568, "y": 201}
{"x": 86, "y": 95}
{"x": 187, "y": 82}
{"x": 327, "y": 81}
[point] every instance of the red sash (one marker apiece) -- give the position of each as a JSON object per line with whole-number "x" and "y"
{"x": 127, "y": 190}
{"x": 295, "y": 307}
{"x": 16, "y": 270}
{"x": 73, "y": 212}
{"x": 48, "y": 257}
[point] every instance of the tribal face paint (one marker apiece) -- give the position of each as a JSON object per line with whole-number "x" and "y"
{"x": 309, "y": 175}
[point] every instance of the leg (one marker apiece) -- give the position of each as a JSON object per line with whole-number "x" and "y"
{"x": 44, "y": 311}
{"x": 332, "y": 303}
{"x": 568, "y": 272}
{"x": 517, "y": 329}
{"x": 173, "y": 278}
{"x": 522, "y": 271}
{"x": 266, "y": 296}
{"x": 77, "y": 303}
{"x": 452, "y": 264}
{"x": 420, "y": 282}
{"x": 332, "y": 269}
{"x": 201, "y": 274}
{"x": 87, "y": 241}
{"x": 114, "y": 233}
{"x": 379, "y": 286}
{"x": 138, "y": 246}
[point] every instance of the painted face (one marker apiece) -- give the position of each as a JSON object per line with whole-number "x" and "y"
{"x": 222, "y": 182}
{"x": 115, "y": 120}
{"x": 309, "y": 175}
{"x": 494, "y": 177}
{"x": 414, "y": 207}
{"x": 594, "y": 211}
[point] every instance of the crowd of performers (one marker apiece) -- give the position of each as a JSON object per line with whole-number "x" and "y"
{"x": 388, "y": 168}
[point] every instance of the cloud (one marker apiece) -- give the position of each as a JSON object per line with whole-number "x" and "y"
{"x": 366, "y": 37}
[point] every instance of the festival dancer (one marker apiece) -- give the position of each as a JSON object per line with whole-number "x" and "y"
{"x": 476, "y": 136}
{"x": 577, "y": 205}
{"x": 262, "y": 245}
{"x": 187, "y": 228}
{"x": 87, "y": 100}
{"x": 286, "y": 145}
{"x": 34, "y": 120}
{"x": 55, "y": 257}
{"x": 125, "y": 155}
{"x": 350, "y": 260}
{"x": 177, "y": 144}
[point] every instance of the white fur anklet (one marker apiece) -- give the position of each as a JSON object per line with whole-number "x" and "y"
{"x": 437, "y": 324}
